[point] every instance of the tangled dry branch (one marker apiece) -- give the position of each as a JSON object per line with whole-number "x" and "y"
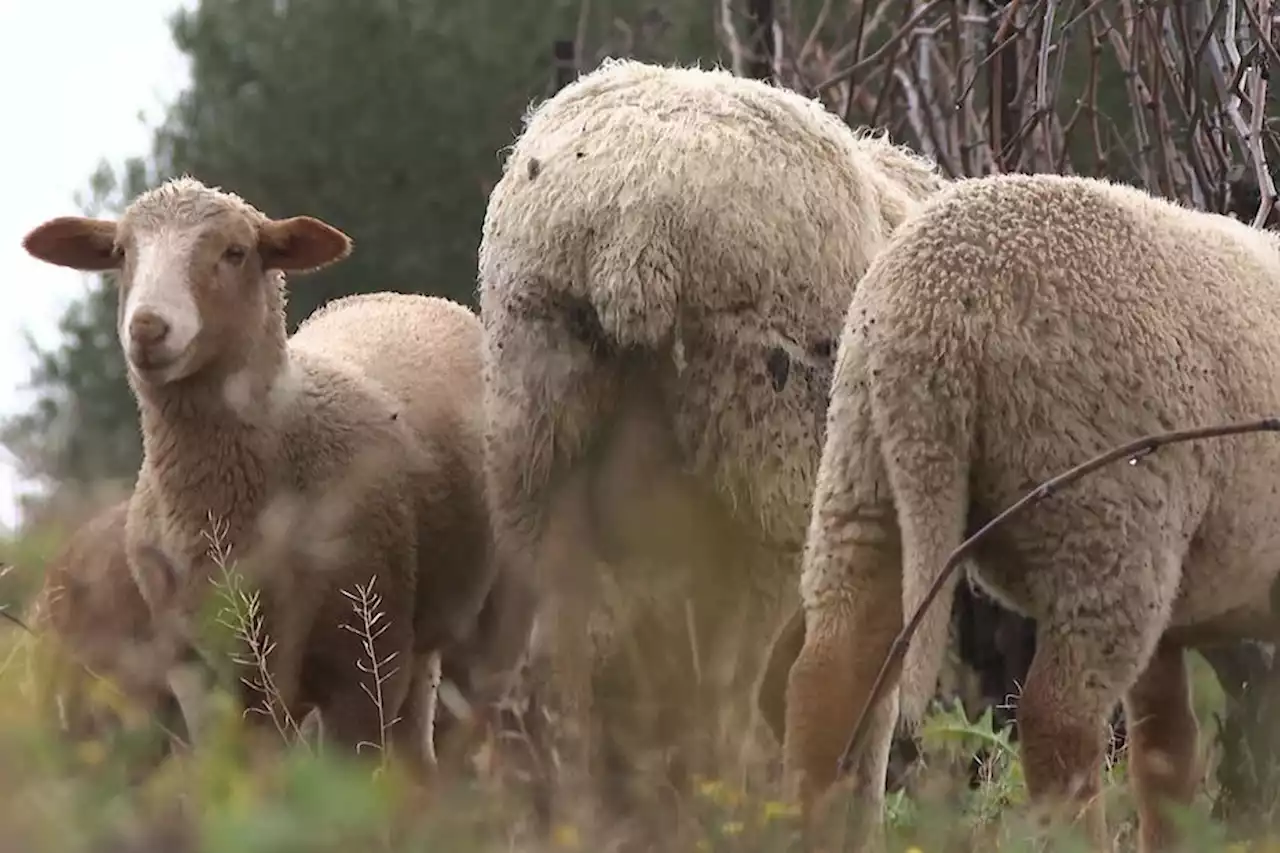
{"x": 1168, "y": 96}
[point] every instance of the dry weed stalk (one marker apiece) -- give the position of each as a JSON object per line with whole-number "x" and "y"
{"x": 367, "y": 606}
{"x": 242, "y": 615}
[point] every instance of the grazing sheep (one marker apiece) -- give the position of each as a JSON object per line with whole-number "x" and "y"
{"x": 1017, "y": 326}
{"x": 663, "y": 270}
{"x": 90, "y": 622}
{"x": 347, "y": 453}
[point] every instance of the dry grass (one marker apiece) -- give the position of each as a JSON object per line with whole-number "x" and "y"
{"x": 236, "y": 795}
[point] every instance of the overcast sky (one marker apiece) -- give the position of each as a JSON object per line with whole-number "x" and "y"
{"x": 74, "y": 76}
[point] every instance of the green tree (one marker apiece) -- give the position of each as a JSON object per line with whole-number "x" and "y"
{"x": 386, "y": 118}
{"x": 83, "y": 426}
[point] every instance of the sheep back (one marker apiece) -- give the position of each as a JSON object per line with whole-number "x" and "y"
{"x": 1019, "y": 325}
{"x": 426, "y": 353}
{"x": 719, "y": 222}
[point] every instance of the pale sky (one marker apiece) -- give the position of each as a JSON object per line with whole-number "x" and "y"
{"x": 74, "y": 76}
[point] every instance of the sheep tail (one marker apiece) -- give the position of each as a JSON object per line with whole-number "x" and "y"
{"x": 634, "y": 275}
{"x": 930, "y": 480}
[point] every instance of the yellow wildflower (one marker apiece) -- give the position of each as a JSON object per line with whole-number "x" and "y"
{"x": 566, "y": 836}
{"x": 91, "y": 752}
{"x": 731, "y": 827}
{"x": 712, "y": 789}
{"x": 242, "y": 794}
{"x": 775, "y": 810}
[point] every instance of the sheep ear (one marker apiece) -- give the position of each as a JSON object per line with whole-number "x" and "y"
{"x": 311, "y": 730}
{"x": 771, "y": 691}
{"x": 301, "y": 244}
{"x": 76, "y": 242}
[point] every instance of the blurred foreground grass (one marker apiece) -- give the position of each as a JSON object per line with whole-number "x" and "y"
{"x": 237, "y": 798}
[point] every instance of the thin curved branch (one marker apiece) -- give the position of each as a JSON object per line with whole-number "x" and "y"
{"x": 9, "y": 617}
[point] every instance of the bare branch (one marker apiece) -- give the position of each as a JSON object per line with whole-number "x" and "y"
{"x": 1258, "y": 112}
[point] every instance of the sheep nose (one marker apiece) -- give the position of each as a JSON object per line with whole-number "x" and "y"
{"x": 148, "y": 328}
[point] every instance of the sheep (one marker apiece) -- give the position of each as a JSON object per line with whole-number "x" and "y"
{"x": 89, "y": 621}
{"x": 348, "y": 452}
{"x": 1016, "y": 326}
{"x": 663, "y": 268}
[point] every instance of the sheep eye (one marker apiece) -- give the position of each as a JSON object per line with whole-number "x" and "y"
{"x": 234, "y": 254}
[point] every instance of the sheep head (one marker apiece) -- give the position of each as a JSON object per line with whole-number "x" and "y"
{"x": 199, "y": 272}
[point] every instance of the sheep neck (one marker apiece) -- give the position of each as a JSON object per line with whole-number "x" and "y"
{"x": 210, "y": 457}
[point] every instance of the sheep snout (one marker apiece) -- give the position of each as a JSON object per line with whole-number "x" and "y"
{"x": 147, "y": 329}
{"x": 161, "y": 317}
{"x": 153, "y": 344}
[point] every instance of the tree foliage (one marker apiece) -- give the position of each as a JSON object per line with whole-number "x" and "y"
{"x": 386, "y": 118}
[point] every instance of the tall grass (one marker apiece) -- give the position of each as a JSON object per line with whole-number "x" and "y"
{"x": 237, "y": 793}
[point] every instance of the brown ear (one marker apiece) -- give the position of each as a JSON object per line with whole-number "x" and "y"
{"x": 771, "y": 691}
{"x": 76, "y": 242}
{"x": 301, "y": 244}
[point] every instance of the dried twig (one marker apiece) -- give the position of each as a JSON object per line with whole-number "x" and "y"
{"x": 1132, "y": 451}
{"x": 242, "y": 615}
{"x": 367, "y": 605}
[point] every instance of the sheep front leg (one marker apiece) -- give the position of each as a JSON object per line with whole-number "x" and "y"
{"x": 1163, "y": 732}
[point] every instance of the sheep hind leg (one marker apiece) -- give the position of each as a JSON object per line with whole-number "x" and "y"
{"x": 846, "y": 641}
{"x": 1082, "y": 667}
{"x": 1163, "y": 731}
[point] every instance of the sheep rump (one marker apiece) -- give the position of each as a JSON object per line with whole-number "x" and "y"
{"x": 663, "y": 270}
{"x": 1015, "y": 327}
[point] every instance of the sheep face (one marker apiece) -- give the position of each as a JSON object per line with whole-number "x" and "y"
{"x": 198, "y": 271}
